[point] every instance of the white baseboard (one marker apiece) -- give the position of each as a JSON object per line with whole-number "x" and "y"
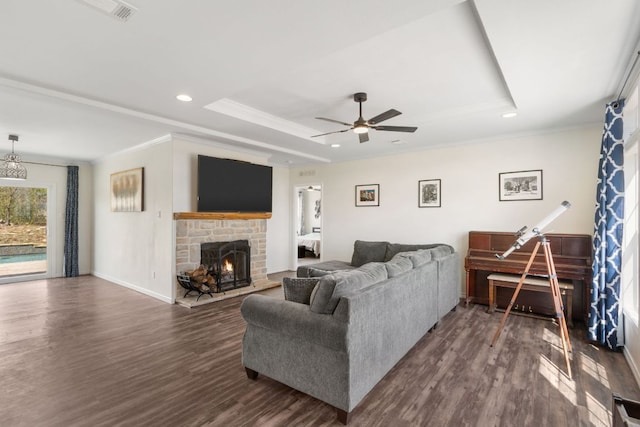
{"x": 133, "y": 287}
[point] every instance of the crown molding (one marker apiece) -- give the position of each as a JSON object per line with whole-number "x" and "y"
{"x": 152, "y": 117}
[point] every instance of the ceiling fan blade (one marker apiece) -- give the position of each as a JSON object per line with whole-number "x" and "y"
{"x": 395, "y": 128}
{"x": 384, "y": 116}
{"x": 364, "y": 137}
{"x": 334, "y": 121}
{"x": 329, "y": 133}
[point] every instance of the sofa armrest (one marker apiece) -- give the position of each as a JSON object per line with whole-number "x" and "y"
{"x": 449, "y": 283}
{"x": 295, "y": 320}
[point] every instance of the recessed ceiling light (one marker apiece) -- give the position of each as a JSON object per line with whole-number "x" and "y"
{"x": 335, "y": 145}
{"x": 184, "y": 98}
{"x": 509, "y": 114}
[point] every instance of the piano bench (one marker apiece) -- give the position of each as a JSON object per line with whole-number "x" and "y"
{"x": 497, "y": 280}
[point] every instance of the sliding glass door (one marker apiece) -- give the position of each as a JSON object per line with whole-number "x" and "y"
{"x": 23, "y": 231}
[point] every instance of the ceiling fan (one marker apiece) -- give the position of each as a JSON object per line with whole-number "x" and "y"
{"x": 362, "y": 126}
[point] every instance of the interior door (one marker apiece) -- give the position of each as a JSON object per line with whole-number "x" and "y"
{"x": 308, "y": 224}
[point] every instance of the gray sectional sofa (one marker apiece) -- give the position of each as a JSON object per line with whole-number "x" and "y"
{"x": 335, "y": 336}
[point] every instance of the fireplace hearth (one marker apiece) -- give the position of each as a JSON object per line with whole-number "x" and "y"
{"x": 229, "y": 263}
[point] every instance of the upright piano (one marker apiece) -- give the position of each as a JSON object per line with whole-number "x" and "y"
{"x": 571, "y": 253}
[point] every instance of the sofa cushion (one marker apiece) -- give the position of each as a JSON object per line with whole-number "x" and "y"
{"x": 394, "y": 248}
{"x": 420, "y": 257}
{"x": 303, "y": 270}
{"x": 440, "y": 251}
{"x": 330, "y": 288}
{"x": 364, "y": 252}
{"x": 298, "y": 290}
{"x": 316, "y": 272}
{"x": 373, "y": 267}
{"x": 399, "y": 264}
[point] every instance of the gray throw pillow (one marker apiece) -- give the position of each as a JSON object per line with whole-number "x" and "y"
{"x": 364, "y": 252}
{"x": 298, "y": 290}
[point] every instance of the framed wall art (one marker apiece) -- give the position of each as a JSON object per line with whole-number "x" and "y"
{"x": 368, "y": 195}
{"x": 429, "y": 193}
{"x": 127, "y": 189}
{"x": 520, "y": 185}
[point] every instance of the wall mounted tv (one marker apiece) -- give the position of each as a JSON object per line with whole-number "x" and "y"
{"x": 226, "y": 185}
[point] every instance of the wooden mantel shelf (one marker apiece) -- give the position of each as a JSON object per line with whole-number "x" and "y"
{"x": 221, "y": 215}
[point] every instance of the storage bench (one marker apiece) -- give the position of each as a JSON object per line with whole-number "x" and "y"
{"x": 497, "y": 280}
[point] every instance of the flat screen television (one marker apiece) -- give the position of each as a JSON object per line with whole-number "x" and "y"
{"x": 226, "y": 185}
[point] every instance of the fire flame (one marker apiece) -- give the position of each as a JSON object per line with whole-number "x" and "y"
{"x": 227, "y": 266}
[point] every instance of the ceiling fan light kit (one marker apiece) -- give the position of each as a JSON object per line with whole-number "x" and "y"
{"x": 11, "y": 167}
{"x": 362, "y": 126}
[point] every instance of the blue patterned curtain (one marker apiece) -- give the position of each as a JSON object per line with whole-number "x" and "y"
{"x": 607, "y": 237}
{"x": 71, "y": 224}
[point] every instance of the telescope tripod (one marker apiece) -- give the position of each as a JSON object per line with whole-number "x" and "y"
{"x": 555, "y": 293}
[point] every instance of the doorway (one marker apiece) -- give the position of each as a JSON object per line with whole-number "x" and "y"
{"x": 308, "y": 224}
{"x": 23, "y": 231}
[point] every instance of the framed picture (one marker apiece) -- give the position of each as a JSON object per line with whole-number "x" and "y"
{"x": 429, "y": 193}
{"x": 521, "y": 185}
{"x": 368, "y": 195}
{"x": 127, "y": 190}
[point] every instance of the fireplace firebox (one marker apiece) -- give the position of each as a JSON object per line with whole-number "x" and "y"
{"x": 228, "y": 262}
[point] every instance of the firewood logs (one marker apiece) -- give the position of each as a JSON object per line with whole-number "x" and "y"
{"x": 201, "y": 279}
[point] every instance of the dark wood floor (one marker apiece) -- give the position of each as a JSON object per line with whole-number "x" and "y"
{"x": 85, "y": 352}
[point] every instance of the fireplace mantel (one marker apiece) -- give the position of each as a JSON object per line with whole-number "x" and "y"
{"x": 221, "y": 215}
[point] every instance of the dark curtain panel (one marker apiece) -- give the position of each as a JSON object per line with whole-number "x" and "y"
{"x": 607, "y": 236}
{"x": 71, "y": 268}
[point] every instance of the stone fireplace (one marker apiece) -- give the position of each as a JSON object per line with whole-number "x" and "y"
{"x": 193, "y": 230}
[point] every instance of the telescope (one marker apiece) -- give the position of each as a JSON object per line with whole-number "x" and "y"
{"x": 524, "y": 235}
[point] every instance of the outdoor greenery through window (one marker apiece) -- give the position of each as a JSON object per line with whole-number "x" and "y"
{"x": 23, "y": 230}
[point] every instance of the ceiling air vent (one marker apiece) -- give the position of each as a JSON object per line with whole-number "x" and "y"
{"x": 116, "y": 8}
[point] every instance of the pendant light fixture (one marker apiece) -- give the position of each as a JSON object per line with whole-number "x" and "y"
{"x": 11, "y": 167}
